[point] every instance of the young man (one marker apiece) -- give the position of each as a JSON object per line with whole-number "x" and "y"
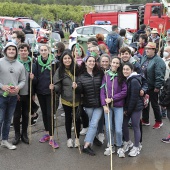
{"x": 22, "y": 107}
{"x": 12, "y": 79}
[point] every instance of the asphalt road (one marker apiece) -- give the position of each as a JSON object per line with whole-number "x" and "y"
{"x": 155, "y": 155}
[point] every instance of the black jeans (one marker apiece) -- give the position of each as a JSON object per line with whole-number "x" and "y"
{"x": 68, "y": 121}
{"x": 22, "y": 109}
{"x": 84, "y": 118}
{"x": 45, "y": 104}
{"x": 153, "y": 99}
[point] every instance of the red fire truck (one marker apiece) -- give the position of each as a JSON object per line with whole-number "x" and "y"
{"x": 151, "y": 14}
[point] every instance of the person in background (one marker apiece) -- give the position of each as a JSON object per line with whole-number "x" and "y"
{"x": 122, "y": 33}
{"x": 28, "y": 29}
{"x": 143, "y": 40}
{"x": 18, "y": 37}
{"x": 137, "y": 34}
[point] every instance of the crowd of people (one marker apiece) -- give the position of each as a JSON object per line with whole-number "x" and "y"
{"x": 105, "y": 89}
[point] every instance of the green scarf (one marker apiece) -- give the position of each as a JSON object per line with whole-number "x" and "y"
{"x": 25, "y": 63}
{"x": 48, "y": 63}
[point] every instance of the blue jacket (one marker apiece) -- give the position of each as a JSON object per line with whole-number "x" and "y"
{"x": 134, "y": 102}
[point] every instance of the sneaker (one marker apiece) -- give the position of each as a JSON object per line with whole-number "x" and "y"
{"x": 134, "y": 151}
{"x": 70, "y": 143}
{"x": 121, "y": 153}
{"x": 140, "y": 146}
{"x": 101, "y": 137}
{"x": 8, "y": 145}
{"x": 157, "y": 125}
{"x": 127, "y": 145}
{"x": 72, "y": 129}
{"x": 166, "y": 140}
{"x": 97, "y": 142}
{"x": 84, "y": 131}
{"x": 54, "y": 116}
{"x": 164, "y": 116}
{"x": 144, "y": 123}
{"x": 107, "y": 151}
{"x": 88, "y": 150}
{"x": 62, "y": 114}
{"x": 54, "y": 144}
{"x": 76, "y": 143}
{"x": 45, "y": 138}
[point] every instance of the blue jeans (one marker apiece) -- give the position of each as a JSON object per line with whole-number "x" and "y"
{"x": 94, "y": 115}
{"x": 116, "y": 123}
{"x": 7, "y": 108}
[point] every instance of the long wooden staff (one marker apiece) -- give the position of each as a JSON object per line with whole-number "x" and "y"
{"x": 111, "y": 162}
{"x": 30, "y": 97}
{"x": 160, "y": 41}
{"x": 74, "y": 114}
{"x": 52, "y": 97}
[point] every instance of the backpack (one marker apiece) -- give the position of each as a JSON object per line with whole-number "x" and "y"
{"x": 112, "y": 43}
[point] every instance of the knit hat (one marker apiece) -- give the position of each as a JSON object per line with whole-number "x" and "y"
{"x": 8, "y": 45}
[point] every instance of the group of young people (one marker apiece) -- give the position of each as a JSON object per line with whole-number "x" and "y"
{"x": 104, "y": 89}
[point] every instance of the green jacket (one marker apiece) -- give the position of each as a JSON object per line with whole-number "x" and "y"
{"x": 155, "y": 71}
{"x": 64, "y": 87}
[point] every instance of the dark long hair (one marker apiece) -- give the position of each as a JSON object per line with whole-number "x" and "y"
{"x": 62, "y": 66}
{"x": 83, "y": 69}
{"x": 121, "y": 78}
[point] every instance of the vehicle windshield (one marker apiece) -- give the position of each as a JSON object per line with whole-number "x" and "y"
{"x": 33, "y": 24}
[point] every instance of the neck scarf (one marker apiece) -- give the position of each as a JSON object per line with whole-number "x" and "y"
{"x": 25, "y": 63}
{"x": 47, "y": 65}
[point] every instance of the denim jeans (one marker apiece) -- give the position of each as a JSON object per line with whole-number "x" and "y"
{"x": 7, "y": 108}
{"x": 116, "y": 123}
{"x": 94, "y": 115}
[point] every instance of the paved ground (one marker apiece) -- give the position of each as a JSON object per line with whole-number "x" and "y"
{"x": 155, "y": 155}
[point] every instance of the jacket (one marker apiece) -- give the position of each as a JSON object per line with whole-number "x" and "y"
{"x": 64, "y": 87}
{"x": 119, "y": 91}
{"x": 155, "y": 71}
{"x": 134, "y": 102}
{"x": 89, "y": 86}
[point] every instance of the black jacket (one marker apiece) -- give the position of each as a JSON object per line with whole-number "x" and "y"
{"x": 134, "y": 102}
{"x": 90, "y": 88}
{"x": 28, "y": 30}
{"x": 165, "y": 95}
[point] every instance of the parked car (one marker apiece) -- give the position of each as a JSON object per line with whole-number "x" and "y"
{"x": 91, "y": 31}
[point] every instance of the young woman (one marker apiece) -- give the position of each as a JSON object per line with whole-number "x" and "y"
{"x": 42, "y": 82}
{"x": 113, "y": 91}
{"x": 63, "y": 79}
{"x": 88, "y": 84}
{"x": 133, "y": 108}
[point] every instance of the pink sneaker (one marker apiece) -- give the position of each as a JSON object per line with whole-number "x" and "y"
{"x": 54, "y": 144}
{"x": 45, "y": 138}
{"x": 157, "y": 125}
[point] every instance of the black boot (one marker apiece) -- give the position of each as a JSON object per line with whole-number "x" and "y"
{"x": 24, "y": 138}
{"x": 16, "y": 139}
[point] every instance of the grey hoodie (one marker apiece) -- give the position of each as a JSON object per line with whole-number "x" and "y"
{"x": 11, "y": 71}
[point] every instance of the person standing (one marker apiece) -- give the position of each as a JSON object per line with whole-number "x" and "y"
{"x": 41, "y": 82}
{"x": 114, "y": 41}
{"x": 88, "y": 84}
{"x": 153, "y": 69}
{"x": 12, "y": 79}
{"x": 22, "y": 107}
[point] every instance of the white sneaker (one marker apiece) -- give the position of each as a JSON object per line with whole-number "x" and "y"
{"x": 134, "y": 151}
{"x": 76, "y": 143}
{"x": 83, "y": 131}
{"x": 121, "y": 153}
{"x": 101, "y": 137}
{"x": 127, "y": 145}
{"x": 108, "y": 151}
{"x": 140, "y": 146}
{"x": 70, "y": 143}
{"x": 62, "y": 114}
{"x": 8, "y": 145}
{"x": 72, "y": 129}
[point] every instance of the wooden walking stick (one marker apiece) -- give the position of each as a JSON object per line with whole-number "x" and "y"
{"x": 161, "y": 27}
{"x": 111, "y": 162}
{"x": 52, "y": 97}
{"x": 74, "y": 114}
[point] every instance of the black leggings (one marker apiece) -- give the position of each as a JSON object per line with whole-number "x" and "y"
{"x": 68, "y": 121}
{"x": 45, "y": 104}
